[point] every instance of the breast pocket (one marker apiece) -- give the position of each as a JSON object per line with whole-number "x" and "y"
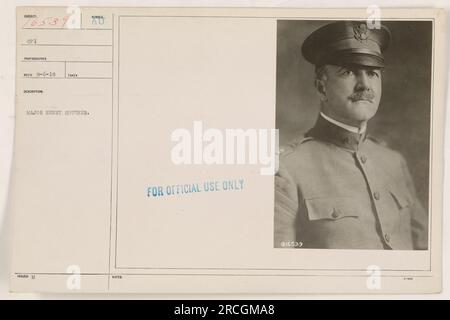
{"x": 400, "y": 197}
{"x": 335, "y": 208}
{"x": 402, "y": 203}
{"x": 400, "y": 226}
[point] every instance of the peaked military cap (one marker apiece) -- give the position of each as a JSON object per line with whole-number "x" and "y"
{"x": 347, "y": 43}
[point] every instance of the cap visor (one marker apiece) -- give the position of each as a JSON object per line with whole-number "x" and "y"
{"x": 359, "y": 59}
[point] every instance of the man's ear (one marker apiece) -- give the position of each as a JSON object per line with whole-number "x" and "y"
{"x": 320, "y": 86}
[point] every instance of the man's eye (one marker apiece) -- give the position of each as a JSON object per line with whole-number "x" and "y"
{"x": 347, "y": 73}
{"x": 373, "y": 74}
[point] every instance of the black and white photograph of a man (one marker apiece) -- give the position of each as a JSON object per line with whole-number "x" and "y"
{"x": 353, "y": 112}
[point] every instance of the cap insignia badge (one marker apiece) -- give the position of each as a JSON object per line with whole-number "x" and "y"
{"x": 360, "y": 32}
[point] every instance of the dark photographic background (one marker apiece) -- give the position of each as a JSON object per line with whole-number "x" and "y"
{"x": 403, "y": 118}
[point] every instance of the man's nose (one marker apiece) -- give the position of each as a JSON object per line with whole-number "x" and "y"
{"x": 362, "y": 80}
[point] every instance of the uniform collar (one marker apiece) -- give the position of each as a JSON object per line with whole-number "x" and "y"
{"x": 359, "y": 130}
{"x": 327, "y": 131}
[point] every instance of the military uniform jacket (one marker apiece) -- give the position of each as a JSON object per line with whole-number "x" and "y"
{"x": 340, "y": 190}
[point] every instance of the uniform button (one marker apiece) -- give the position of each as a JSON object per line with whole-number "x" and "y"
{"x": 335, "y": 214}
{"x": 363, "y": 159}
{"x": 387, "y": 237}
{"x": 376, "y": 195}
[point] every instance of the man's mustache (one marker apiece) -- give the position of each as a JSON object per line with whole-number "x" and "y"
{"x": 362, "y": 95}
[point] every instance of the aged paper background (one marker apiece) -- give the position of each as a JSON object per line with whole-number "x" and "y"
{"x": 135, "y": 157}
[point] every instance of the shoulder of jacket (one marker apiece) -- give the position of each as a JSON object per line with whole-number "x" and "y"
{"x": 385, "y": 149}
{"x": 289, "y": 148}
{"x": 378, "y": 141}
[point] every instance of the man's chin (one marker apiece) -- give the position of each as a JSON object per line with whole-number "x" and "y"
{"x": 364, "y": 110}
{"x": 363, "y": 116}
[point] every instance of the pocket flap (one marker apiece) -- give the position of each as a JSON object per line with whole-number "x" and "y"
{"x": 401, "y": 197}
{"x": 332, "y": 208}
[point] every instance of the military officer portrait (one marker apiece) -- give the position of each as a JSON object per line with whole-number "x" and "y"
{"x": 344, "y": 178}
